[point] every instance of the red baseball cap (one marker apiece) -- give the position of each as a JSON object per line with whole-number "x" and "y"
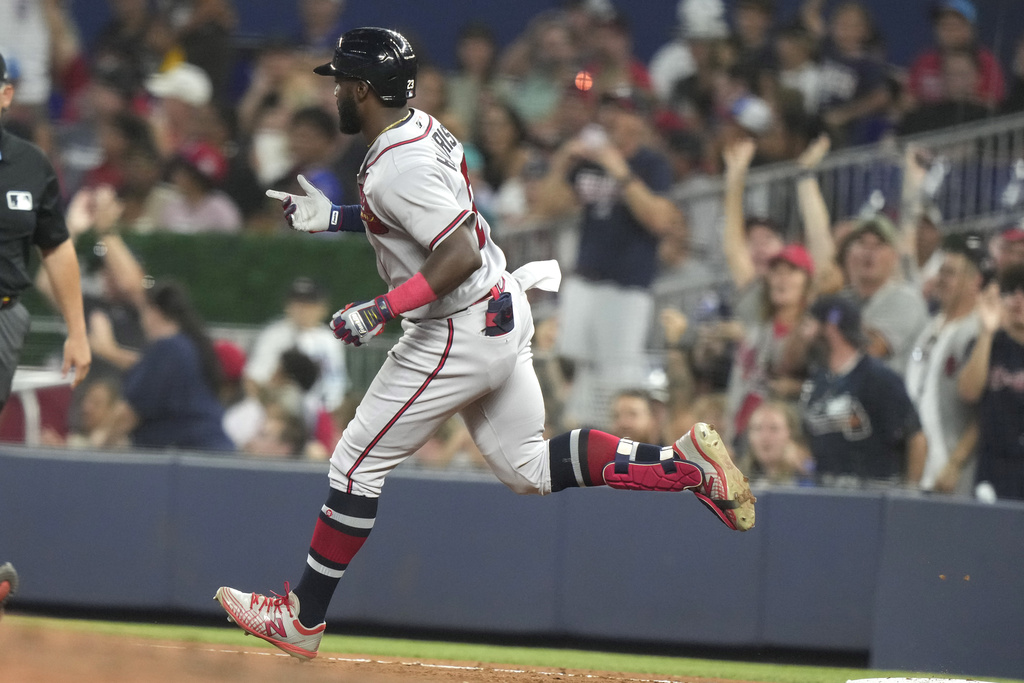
{"x": 1014, "y": 233}
{"x": 206, "y": 160}
{"x": 231, "y": 357}
{"x": 795, "y": 255}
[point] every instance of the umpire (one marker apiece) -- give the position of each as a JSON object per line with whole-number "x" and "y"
{"x": 31, "y": 214}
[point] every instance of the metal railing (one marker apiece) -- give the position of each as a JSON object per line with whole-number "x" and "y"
{"x": 976, "y": 180}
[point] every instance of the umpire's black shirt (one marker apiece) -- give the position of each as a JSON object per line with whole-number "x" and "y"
{"x": 30, "y": 210}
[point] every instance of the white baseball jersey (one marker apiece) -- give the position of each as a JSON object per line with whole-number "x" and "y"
{"x": 414, "y": 191}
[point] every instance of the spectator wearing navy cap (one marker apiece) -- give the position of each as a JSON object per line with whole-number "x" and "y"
{"x": 993, "y": 378}
{"x": 861, "y": 424}
{"x": 954, "y": 23}
{"x": 937, "y": 359}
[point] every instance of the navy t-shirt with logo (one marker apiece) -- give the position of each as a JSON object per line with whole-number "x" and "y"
{"x": 858, "y": 424}
{"x": 614, "y": 246}
{"x": 31, "y": 213}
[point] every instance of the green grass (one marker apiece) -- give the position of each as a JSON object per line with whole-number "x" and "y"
{"x": 390, "y": 649}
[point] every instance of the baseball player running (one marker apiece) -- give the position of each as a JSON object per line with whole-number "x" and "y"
{"x": 465, "y": 346}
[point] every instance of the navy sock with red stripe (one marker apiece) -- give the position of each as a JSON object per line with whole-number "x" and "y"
{"x": 344, "y": 524}
{"x": 578, "y": 457}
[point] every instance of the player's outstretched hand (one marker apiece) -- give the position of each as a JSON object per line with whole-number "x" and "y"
{"x": 308, "y": 213}
{"x": 356, "y": 323}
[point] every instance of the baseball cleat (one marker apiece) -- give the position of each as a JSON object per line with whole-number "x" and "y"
{"x": 724, "y": 491}
{"x": 274, "y": 618}
{"x": 8, "y": 584}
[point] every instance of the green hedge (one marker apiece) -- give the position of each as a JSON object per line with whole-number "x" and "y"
{"x": 243, "y": 279}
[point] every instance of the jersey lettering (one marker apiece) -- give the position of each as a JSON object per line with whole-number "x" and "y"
{"x": 446, "y": 143}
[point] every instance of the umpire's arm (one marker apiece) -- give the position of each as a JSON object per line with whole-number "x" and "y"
{"x": 61, "y": 265}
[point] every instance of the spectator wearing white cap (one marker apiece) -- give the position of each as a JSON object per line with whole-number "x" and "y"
{"x": 179, "y": 92}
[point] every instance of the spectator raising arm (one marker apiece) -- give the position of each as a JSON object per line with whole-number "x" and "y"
{"x": 816, "y": 220}
{"x": 737, "y": 159}
{"x": 974, "y": 376}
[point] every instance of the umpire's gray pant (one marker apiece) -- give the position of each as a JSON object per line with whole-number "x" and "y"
{"x": 14, "y": 324}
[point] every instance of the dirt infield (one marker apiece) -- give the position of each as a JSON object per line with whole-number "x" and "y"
{"x": 34, "y": 654}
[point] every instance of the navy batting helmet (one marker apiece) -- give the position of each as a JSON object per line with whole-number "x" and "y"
{"x": 381, "y": 57}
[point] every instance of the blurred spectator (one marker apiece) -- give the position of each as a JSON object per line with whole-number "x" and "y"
{"x": 475, "y": 52}
{"x": 180, "y": 93}
{"x": 99, "y": 398}
{"x": 632, "y": 417}
{"x": 619, "y": 183}
{"x": 861, "y": 425}
{"x": 939, "y": 355}
{"x": 320, "y": 26}
{"x": 993, "y": 378}
{"x": 302, "y": 328}
{"x": 118, "y": 135}
{"x": 25, "y": 39}
{"x": 776, "y": 453}
{"x": 203, "y": 29}
{"x": 958, "y": 102}
{"x": 536, "y": 70}
{"x": 854, "y": 90}
{"x": 692, "y": 191}
{"x": 954, "y": 23}
{"x": 126, "y": 41}
{"x": 893, "y": 310}
{"x": 798, "y": 71}
{"x": 197, "y": 204}
{"x": 281, "y": 435}
{"x": 674, "y": 62}
{"x": 1015, "y": 92}
{"x": 109, "y": 93}
{"x": 280, "y": 85}
{"x": 554, "y": 382}
{"x": 170, "y": 393}
{"x": 1008, "y": 247}
{"x": 312, "y": 143}
{"x": 752, "y": 22}
{"x": 218, "y": 127}
{"x": 760, "y": 371}
{"x": 503, "y": 142}
{"x": 614, "y": 67}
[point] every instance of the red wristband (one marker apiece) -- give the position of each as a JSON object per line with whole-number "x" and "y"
{"x": 412, "y": 293}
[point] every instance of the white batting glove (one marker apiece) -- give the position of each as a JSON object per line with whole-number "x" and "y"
{"x": 309, "y": 213}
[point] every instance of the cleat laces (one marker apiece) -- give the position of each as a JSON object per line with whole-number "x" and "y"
{"x": 272, "y": 602}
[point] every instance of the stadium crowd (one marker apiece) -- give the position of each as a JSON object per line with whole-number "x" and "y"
{"x": 873, "y": 349}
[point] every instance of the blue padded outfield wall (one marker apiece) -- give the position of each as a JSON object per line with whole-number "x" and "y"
{"x": 921, "y": 584}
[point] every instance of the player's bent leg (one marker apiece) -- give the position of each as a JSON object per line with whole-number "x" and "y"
{"x": 698, "y": 462}
{"x": 274, "y": 618}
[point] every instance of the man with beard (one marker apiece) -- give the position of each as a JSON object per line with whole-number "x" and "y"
{"x": 465, "y": 348}
{"x": 860, "y": 423}
{"x": 893, "y": 310}
{"x": 936, "y": 361}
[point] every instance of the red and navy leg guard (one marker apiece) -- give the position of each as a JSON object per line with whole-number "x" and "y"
{"x": 640, "y": 474}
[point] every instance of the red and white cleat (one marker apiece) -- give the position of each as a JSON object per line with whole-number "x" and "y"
{"x": 274, "y": 618}
{"x": 725, "y": 490}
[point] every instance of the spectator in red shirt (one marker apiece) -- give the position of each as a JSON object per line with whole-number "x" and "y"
{"x": 954, "y": 26}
